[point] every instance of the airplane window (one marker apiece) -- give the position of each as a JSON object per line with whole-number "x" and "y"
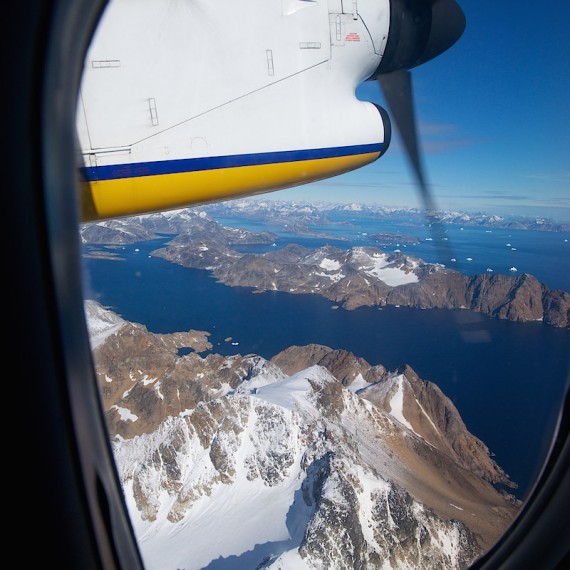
{"x": 329, "y": 305}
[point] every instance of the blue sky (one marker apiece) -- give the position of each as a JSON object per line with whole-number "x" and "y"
{"x": 493, "y": 115}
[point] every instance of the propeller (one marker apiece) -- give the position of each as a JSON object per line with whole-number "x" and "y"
{"x": 419, "y": 31}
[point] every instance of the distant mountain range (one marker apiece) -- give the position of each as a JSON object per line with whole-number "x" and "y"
{"x": 314, "y": 459}
{"x": 309, "y": 213}
{"x": 352, "y": 278}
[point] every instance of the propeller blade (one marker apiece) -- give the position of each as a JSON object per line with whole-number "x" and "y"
{"x": 397, "y": 90}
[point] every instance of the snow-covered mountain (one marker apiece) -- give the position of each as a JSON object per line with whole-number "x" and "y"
{"x": 312, "y": 460}
{"x": 277, "y": 209}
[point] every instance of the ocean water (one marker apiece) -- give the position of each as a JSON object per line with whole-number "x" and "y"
{"x": 469, "y": 249}
{"x": 507, "y": 379}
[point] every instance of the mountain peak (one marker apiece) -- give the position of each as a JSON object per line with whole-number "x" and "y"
{"x": 265, "y": 467}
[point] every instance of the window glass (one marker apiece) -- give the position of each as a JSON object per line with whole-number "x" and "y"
{"x": 316, "y": 344}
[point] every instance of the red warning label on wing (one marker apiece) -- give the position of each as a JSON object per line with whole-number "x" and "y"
{"x": 352, "y": 37}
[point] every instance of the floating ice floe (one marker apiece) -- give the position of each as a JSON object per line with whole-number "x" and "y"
{"x": 469, "y": 258}
{"x": 513, "y": 269}
{"x": 489, "y": 270}
{"x": 453, "y": 259}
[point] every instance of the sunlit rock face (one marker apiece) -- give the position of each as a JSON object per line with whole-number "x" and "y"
{"x": 359, "y": 276}
{"x": 314, "y": 459}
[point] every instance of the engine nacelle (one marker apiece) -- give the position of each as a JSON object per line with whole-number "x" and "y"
{"x": 188, "y": 102}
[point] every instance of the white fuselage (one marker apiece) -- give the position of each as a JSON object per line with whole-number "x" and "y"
{"x": 168, "y": 80}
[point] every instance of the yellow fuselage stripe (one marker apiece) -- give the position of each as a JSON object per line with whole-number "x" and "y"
{"x": 144, "y": 194}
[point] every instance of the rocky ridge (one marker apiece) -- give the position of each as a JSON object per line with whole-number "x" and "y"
{"x": 361, "y": 276}
{"x": 352, "y": 466}
{"x": 367, "y": 276}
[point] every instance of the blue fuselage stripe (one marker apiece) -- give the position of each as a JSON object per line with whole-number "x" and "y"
{"x": 130, "y": 170}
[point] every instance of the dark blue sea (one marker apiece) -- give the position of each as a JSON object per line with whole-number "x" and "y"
{"x": 507, "y": 379}
{"x": 469, "y": 249}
